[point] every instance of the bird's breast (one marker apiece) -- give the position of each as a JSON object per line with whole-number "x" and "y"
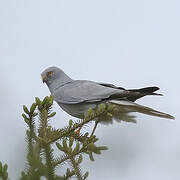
{"x": 77, "y": 110}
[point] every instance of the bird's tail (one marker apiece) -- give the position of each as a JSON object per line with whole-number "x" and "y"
{"x": 134, "y": 107}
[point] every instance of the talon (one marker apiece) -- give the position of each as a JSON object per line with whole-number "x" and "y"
{"x": 78, "y": 130}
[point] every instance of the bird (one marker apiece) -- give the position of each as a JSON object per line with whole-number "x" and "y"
{"x": 76, "y": 97}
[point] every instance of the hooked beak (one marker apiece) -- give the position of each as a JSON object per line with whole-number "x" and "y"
{"x": 44, "y": 78}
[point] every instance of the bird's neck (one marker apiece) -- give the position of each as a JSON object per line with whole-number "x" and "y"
{"x": 61, "y": 81}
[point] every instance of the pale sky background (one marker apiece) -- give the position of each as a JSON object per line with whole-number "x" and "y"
{"x": 132, "y": 43}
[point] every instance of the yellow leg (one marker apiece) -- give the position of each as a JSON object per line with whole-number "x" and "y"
{"x": 78, "y": 130}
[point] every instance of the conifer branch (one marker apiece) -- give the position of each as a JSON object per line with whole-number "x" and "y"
{"x": 40, "y": 140}
{"x": 66, "y": 157}
{"x": 77, "y": 170}
{"x": 44, "y": 114}
{"x": 90, "y": 116}
{"x": 31, "y": 136}
{"x": 69, "y": 174}
{"x": 49, "y": 159}
{"x": 3, "y": 171}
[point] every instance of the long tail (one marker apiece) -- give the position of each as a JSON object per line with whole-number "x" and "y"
{"x": 134, "y": 107}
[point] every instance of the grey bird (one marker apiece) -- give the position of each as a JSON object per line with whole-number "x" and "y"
{"x": 76, "y": 96}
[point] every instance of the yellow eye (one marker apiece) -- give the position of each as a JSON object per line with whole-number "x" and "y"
{"x": 50, "y": 73}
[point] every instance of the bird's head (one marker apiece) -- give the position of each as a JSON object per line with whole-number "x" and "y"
{"x": 54, "y": 76}
{"x": 50, "y": 74}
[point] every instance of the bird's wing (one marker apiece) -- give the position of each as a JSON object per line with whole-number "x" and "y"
{"x": 134, "y": 94}
{"x": 111, "y": 86}
{"x": 85, "y": 91}
{"x": 88, "y": 91}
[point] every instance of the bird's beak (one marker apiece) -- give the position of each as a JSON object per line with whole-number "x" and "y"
{"x": 44, "y": 78}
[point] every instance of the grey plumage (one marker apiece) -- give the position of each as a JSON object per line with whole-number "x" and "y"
{"x": 77, "y": 96}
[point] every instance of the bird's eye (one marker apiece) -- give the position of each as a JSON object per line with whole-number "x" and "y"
{"x": 50, "y": 73}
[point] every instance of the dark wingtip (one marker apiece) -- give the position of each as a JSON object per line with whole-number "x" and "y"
{"x": 149, "y": 89}
{"x": 155, "y": 88}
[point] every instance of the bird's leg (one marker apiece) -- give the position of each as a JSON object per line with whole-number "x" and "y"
{"x": 95, "y": 126}
{"x": 78, "y": 130}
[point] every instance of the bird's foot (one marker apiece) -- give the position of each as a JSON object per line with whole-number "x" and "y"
{"x": 78, "y": 130}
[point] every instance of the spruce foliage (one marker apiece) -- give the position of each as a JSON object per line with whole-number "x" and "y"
{"x": 3, "y": 171}
{"x": 42, "y": 139}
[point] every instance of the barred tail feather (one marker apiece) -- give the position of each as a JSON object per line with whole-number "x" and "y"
{"x": 134, "y": 107}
